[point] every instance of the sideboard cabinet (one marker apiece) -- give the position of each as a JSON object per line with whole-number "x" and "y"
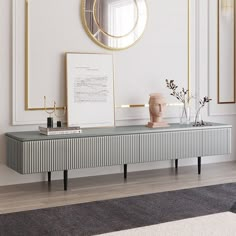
{"x": 30, "y": 152}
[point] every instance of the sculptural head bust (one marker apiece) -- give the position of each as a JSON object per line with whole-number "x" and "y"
{"x": 156, "y": 107}
{"x": 156, "y": 104}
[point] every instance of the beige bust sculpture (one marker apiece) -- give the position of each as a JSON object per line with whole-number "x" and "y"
{"x": 156, "y": 106}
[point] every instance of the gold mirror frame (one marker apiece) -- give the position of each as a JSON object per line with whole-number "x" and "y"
{"x": 105, "y": 39}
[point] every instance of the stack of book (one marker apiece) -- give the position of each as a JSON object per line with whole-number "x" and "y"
{"x": 59, "y": 130}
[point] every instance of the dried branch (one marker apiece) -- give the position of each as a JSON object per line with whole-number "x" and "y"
{"x": 202, "y": 103}
{"x": 182, "y": 95}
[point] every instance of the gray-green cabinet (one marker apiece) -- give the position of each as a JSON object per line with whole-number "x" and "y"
{"x": 30, "y": 152}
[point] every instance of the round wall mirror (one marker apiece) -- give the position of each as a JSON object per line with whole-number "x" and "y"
{"x": 114, "y": 24}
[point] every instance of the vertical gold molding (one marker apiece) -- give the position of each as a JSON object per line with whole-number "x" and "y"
{"x": 26, "y": 55}
{"x": 218, "y": 55}
{"x": 189, "y": 49}
{"x": 27, "y": 108}
{"x": 218, "y": 51}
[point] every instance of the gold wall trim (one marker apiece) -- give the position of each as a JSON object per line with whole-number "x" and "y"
{"x": 27, "y": 108}
{"x": 26, "y": 55}
{"x": 146, "y": 105}
{"x": 218, "y": 55}
{"x": 188, "y": 66}
{"x": 189, "y": 47}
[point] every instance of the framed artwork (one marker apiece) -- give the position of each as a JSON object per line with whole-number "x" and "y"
{"x": 90, "y": 90}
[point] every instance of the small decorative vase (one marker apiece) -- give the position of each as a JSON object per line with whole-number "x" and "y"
{"x": 185, "y": 114}
{"x": 198, "y": 118}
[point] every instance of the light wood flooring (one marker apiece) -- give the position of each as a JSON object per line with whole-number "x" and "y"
{"x": 16, "y": 198}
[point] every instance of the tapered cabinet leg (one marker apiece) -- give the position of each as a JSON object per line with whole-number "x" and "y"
{"x": 125, "y": 171}
{"x": 65, "y": 179}
{"x": 199, "y": 163}
{"x": 176, "y": 163}
{"x": 49, "y": 177}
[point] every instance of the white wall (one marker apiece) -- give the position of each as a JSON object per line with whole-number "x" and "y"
{"x": 200, "y": 74}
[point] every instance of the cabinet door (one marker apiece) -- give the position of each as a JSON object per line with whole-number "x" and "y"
{"x": 102, "y": 151}
{"x": 65, "y": 154}
{"x": 216, "y": 141}
{"x": 170, "y": 145}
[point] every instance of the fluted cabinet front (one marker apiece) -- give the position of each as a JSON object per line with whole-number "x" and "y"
{"x": 66, "y": 154}
{"x": 216, "y": 142}
{"x": 101, "y": 151}
{"x": 170, "y": 145}
{"x": 184, "y": 144}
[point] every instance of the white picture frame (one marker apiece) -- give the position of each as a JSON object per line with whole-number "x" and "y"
{"x": 90, "y": 90}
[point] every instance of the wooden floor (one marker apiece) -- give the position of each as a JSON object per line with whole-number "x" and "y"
{"x": 40, "y": 195}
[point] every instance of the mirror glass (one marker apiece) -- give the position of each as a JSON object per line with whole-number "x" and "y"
{"x": 114, "y": 24}
{"x": 121, "y": 16}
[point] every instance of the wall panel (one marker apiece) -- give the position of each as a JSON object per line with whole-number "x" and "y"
{"x": 54, "y": 27}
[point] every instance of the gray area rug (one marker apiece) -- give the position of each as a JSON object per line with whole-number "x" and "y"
{"x": 120, "y": 214}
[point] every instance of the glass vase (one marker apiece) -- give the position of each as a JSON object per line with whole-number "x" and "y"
{"x": 198, "y": 118}
{"x": 185, "y": 114}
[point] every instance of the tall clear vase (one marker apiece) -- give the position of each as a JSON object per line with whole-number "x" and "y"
{"x": 185, "y": 114}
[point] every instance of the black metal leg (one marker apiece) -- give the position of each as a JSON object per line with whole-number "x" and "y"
{"x": 125, "y": 171}
{"x": 65, "y": 179}
{"x": 176, "y": 163}
{"x": 49, "y": 177}
{"x": 199, "y": 165}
